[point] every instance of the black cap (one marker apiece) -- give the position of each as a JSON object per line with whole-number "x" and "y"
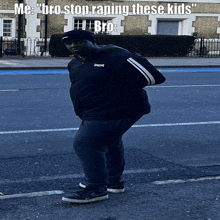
{"x": 77, "y": 34}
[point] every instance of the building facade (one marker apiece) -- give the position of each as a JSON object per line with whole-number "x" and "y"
{"x": 116, "y": 17}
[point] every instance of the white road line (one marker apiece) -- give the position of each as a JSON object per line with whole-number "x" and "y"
{"x": 75, "y": 176}
{"x": 59, "y": 192}
{"x": 153, "y": 170}
{"x": 33, "y": 194}
{"x": 186, "y": 181}
{"x": 37, "y": 131}
{"x": 69, "y": 176}
{"x": 177, "y": 86}
{"x": 177, "y": 124}
{"x": 10, "y": 90}
{"x": 42, "y": 178}
{"x": 134, "y": 126}
{"x": 183, "y": 86}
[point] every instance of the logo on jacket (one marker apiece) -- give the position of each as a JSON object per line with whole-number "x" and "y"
{"x": 99, "y": 65}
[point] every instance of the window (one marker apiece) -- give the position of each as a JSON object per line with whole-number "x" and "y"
{"x": 172, "y": 24}
{"x": 7, "y": 27}
{"x": 78, "y": 24}
{"x": 87, "y": 24}
{"x": 168, "y": 27}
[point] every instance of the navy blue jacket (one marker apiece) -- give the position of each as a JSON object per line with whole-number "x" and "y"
{"x": 110, "y": 85}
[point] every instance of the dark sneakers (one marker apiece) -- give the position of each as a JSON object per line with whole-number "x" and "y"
{"x": 86, "y": 195}
{"x": 116, "y": 188}
{"x": 112, "y": 188}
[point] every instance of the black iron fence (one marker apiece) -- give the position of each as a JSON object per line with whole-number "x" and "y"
{"x": 206, "y": 48}
{"x": 24, "y": 47}
{"x": 36, "y": 47}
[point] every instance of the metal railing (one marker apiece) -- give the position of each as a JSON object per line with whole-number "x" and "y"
{"x": 36, "y": 47}
{"x": 206, "y": 48}
{"x": 26, "y": 47}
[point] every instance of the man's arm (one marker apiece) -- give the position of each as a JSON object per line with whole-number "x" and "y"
{"x": 138, "y": 71}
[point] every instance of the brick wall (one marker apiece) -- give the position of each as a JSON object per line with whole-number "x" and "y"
{"x": 211, "y": 8}
{"x": 7, "y": 4}
{"x": 205, "y": 24}
{"x": 136, "y": 25}
{"x": 9, "y": 15}
{"x": 55, "y": 25}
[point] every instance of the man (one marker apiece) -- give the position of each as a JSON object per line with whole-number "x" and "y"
{"x": 107, "y": 93}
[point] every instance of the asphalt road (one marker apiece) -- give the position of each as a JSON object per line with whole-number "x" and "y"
{"x": 172, "y": 154}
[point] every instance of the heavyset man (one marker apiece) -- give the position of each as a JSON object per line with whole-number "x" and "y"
{"x": 107, "y": 93}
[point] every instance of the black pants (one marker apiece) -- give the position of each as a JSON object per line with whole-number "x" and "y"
{"x": 100, "y": 149}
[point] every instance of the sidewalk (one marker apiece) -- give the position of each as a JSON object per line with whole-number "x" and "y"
{"x": 61, "y": 63}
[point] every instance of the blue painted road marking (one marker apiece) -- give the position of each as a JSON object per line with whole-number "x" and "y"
{"x": 35, "y": 71}
{"x": 65, "y": 71}
{"x": 190, "y": 70}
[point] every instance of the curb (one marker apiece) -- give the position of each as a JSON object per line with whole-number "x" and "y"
{"x": 33, "y": 68}
{"x": 59, "y": 67}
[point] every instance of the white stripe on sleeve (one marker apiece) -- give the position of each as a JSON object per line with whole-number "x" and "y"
{"x": 138, "y": 66}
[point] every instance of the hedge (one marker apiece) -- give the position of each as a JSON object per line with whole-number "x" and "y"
{"x": 145, "y": 45}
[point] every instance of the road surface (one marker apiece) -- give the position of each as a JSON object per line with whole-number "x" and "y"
{"x": 172, "y": 154}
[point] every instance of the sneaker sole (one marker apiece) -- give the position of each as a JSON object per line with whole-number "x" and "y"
{"x": 115, "y": 190}
{"x": 111, "y": 190}
{"x": 101, "y": 198}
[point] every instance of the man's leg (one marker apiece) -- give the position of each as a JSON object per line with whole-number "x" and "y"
{"x": 115, "y": 161}
{"x": 115, "y": 156}
{"x": 89, "y": 147}
{"x": 93, "y": 142}
{"x": 99, "y": 146}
